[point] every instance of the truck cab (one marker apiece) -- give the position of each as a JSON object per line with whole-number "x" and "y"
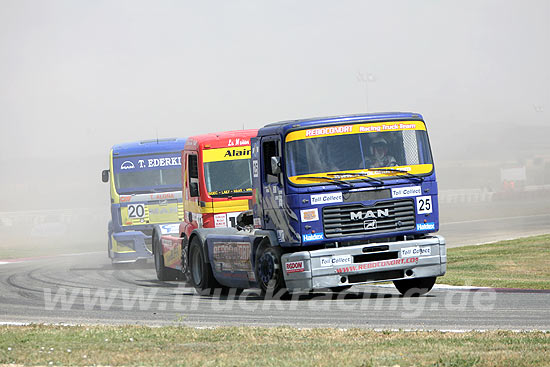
{"x": 145, "y": 190}
{"x": 338, "y": 201}
{"x": 216, "y": 188}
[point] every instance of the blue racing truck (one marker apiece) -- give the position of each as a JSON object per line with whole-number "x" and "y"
{"x": 145, "y": 182}
{"x": 337, "y": 201}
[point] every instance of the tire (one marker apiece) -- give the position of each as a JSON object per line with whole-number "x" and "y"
{"x": 269, "y": 270}
{"x": 201, "y": 275}
{"x": 163, "y": 273}
{"x": 414, "y": 287}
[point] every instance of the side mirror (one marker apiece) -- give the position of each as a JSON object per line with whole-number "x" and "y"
{"x": 105, "y": 175}
{"x": 275, "y": 165}
{"x": 194, "y": 189}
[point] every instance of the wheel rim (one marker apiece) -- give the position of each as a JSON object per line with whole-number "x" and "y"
{"x": 196, "y": 267}
{"x": 266, "y": 268}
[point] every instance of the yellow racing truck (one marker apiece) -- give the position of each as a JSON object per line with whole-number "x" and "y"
{"x": 145, "y": 186}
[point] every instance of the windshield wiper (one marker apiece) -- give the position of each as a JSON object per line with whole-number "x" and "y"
{"x": 365, "y": 178}
{"x": 336, "y": 181}
{"x": 407, "y": 174}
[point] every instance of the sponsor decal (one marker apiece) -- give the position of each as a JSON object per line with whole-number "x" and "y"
{"x": 127, "y": 165}
{"x": 144, "y": 163}
{"x": 424, "y": 204}
{"x": 169, "y": 228}
{"x": 336, "y": 260}
{"x": 236, "y": 153}
{"x": 225, "y": 154}
{"x": 167, "y": 195}
{"x": 231, "y": 256}
{"x": 238, "y": 142}
{"x": 377, "y": 264}
{"x": 416, "y": 251}
{"x": 236, "y": 251}
{"x": 163, "y": 162}
{"x": 294, "y": 267}
{"x": 335, "y": 197}
{"x": 220, "y": 220}
{"x": 402, "y": 192}
{"x": 124, "y": 199}
{"x": 257, "y": 223}
{"x": 425, "y": 226}
{"x": 255, "y": 168}
{"x": 312, "y": 237}
{"x": 309, "y": 215}
{"x": 329, "y": 130}
{"x": 281, "y": 235}
{"x": 356, "y": 129}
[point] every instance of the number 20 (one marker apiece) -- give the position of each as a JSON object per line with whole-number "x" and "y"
{"x": 136, "y": 211}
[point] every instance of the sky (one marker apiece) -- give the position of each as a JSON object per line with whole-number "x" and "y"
{"x": 77, "y": 77}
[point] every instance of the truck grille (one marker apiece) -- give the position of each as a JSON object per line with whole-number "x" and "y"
{"x": 357, "y": 219}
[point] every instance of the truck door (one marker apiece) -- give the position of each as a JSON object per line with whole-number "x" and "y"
{"x": 190, "y": 179}
{"x": 276, "y": 214}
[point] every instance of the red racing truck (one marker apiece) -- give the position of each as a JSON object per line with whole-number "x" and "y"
{"x": 216, "y": 188}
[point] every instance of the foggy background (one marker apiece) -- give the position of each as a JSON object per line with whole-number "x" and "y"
{"x": 77, "y": 77}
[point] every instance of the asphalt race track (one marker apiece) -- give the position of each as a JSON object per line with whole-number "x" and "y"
{"x": 86, "y": 289}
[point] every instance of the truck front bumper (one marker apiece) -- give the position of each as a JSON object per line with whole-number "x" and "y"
{"x": 360, "y": 264}
{"x": 128, "y": 247}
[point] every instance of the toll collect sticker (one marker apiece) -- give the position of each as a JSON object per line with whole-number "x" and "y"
{"x": 336, "y": 260}
{"x": 335, "y": 197}
{"x": 309, "y": 215}
{"x": 402, "y": 192}
{"x": 416, "y": 251}
{"x": 294, "y": 267}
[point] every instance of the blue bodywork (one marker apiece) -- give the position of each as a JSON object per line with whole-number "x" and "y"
{"x": 278, "y": 205}
{"x": 148, "y": 155}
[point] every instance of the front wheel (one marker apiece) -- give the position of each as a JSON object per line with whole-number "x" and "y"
{"x": 415, "y": 286}
{"x": 269, "y": 269}
{"x": 201, "y": 273}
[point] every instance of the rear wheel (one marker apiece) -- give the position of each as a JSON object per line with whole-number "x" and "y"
{"x": 269, "y": 270}
{"x": 415, "y": 286}
{"x": 163, "y": 273}
{"x": 201, "y": 273}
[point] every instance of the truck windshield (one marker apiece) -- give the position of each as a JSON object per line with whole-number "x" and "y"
{"x": 141, "y": 174}
{"x": 228, "y": 178}
{"x": 227, "y": 171}
{"x": 358, "y": 148}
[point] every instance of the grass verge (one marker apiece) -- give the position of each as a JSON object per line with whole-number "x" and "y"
{"x": 168, "y": 346}
{"x": 520, "y": 263}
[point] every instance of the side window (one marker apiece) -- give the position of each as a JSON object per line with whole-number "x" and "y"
{"x": 270, "y": 149}
{"x": 193, "y": 175}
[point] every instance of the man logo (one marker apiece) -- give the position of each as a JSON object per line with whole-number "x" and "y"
{"x": 362, "y": 215}
{"x": 127, "y": 165}
{"x": 369, "y": 225}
